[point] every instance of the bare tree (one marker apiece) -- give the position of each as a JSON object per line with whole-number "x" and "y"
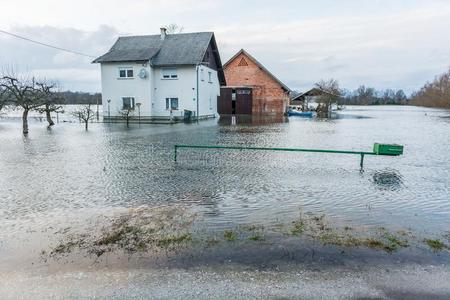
{"x": 85, "y": 114}
{"x": 51, "y": 100}
{"x": 3, "y": 97}
{"x": 22, "y": 92}
{"x": 330, "y": 94}
{"x": 174, "y": 28}
{"x": 127, "y": 113}
{"x": 435, "y": 93}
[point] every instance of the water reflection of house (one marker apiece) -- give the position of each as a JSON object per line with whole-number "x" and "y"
{"x": 310, "y": 99}
{"x": 251, "y": 89}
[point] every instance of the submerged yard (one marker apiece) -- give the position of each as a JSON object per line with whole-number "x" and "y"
{"x": 113, "y": 199}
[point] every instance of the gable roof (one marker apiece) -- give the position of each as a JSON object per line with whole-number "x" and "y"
{"x": 312, "y": 92}
{"x": 175, "y": 49}
{"x": 242, "y": 51}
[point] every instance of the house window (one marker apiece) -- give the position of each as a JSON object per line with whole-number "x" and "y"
{"x": 233, "y": 95}
{"x": 172, "y": 103}
{"x": 128, "y": 103}
{"x": 126, "y": 73}
{"x": 210, "y": 102}
{"x": 210, "y": 77}
{"x": 202, "y": 74}
{"x": 169, "y": 73}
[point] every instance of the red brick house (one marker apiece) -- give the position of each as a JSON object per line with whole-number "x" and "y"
{"x": 251, "y": 89}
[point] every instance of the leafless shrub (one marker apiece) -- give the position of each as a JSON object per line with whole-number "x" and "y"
{"x": 127, "y": 113}
{"x": 85, "y": 114}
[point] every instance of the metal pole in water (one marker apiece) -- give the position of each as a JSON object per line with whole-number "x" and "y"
{"x": 362, "y": 160}
{"x": 109, "y": 112}
{"x": 175, "y": 153}
{"x": 98, "y": 116}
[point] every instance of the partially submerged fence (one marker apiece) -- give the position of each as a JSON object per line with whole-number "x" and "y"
{"x": 378, "y": 149}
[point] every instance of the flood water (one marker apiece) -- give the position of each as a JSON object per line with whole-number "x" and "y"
{"x": 58, "y": 178}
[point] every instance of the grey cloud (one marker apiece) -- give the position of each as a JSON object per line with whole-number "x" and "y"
{"x": 58, "y": 65}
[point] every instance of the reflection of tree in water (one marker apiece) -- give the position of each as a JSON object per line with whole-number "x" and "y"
{"x": 388, "y": 179}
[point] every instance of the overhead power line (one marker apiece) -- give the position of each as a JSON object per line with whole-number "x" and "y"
{"x": 46, "y": 45}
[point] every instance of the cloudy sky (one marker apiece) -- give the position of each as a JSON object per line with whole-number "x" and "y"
{"x": 380, "y": 43}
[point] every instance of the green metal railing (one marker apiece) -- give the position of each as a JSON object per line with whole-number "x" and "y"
{"x": 361, "y": 153}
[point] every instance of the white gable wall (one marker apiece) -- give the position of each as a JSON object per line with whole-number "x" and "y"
{"x": 184, "y": 88}
{"x": 208, "y": 91}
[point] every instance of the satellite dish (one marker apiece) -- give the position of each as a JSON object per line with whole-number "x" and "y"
{"x": 143, "y": 73}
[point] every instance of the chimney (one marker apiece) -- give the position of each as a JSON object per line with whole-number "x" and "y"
{"x": 163, "y": 33}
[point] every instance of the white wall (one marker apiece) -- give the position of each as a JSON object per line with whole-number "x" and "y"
{"x": 153, "y": 90}
{"x": 184, "y": 88}
{"x": 115, "y": 88}
{"x": 208, "y": 91}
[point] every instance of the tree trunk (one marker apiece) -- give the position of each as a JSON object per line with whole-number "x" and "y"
{"x": 128, "y": 121}
{"x": 49, "y": 117}
{"x": 25, "y": 121}
{"x": 86, "y": 124}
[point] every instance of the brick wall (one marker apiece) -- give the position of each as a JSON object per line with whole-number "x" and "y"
{"x": 268, "y": 95}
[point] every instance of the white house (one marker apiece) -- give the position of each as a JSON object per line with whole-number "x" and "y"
{"x": 166, "y": 76}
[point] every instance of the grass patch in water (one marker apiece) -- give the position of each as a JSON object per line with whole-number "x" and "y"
{"x": 256, "y": 237}
{"x": 386, "y": 241}
{"x": 298, "y": 227}
{"x": 435, "y": 244}
{"x": 337, "y": 239}
{"x": 169, "y": 229}
{"x": 138, "y": 230}
{"x": 173, "y": 240}
{"x": 230, "y": 235}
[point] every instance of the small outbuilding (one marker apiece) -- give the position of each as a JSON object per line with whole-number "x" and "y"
{"x": 252, "y": 89}
{"x": 310, "y": 99}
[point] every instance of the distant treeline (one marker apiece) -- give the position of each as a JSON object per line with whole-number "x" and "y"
{"x": 370, "y": 96}
{"x": 435, "y": 93}
{"x": 69, "y": 97}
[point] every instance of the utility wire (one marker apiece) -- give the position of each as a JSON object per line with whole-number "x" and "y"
{"x": 46, "y": 45}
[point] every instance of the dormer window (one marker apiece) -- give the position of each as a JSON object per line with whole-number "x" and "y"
{"x": 126, "y": 72}
{"x": 169, "y": 73}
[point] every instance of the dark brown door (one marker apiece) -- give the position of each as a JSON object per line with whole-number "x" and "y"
{"x": 224, "y": 102}
{"x": 244, "y": 101}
